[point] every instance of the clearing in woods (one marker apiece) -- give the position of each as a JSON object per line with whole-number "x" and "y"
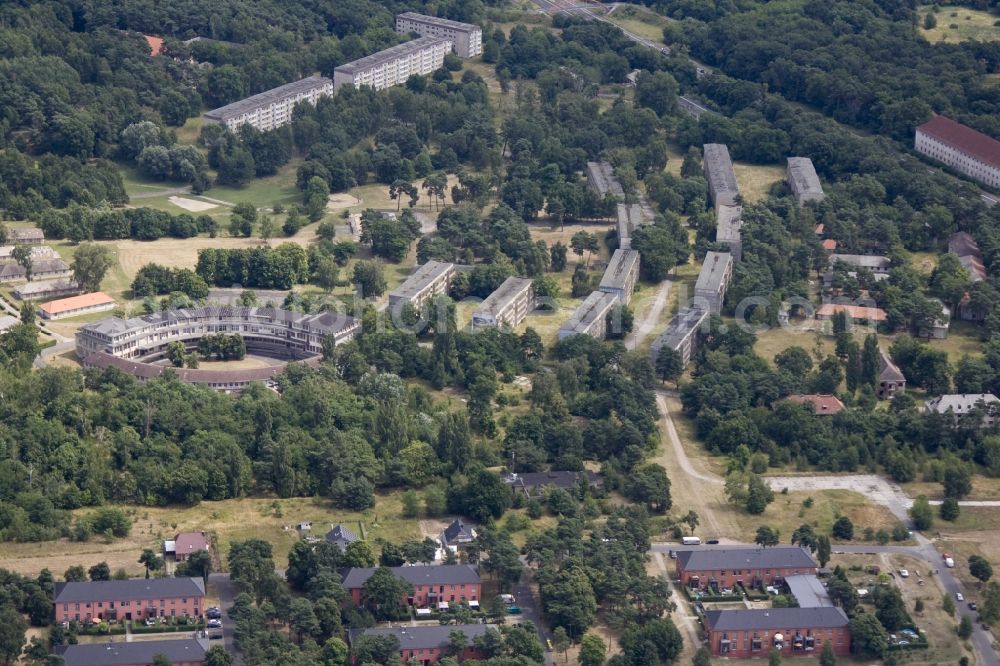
{"x": 959, "y": 24}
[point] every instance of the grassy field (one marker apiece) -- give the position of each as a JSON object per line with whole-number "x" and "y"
{"x": 772, "y": 342}
{"x": 964, "y": 339}
{"x": 640, "y": 20}
{"x": 756, "y": 179}
{"x": 229, "y": 520}
{"x": 960, "y": 24}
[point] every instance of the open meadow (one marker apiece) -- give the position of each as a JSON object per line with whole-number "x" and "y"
{"x": 959, "y": 24}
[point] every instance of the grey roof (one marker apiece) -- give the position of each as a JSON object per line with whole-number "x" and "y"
{"x": 285, "y": 91}
{"x": 728, "y": 223}
{"x": 808, "y": 591}
{"x": 135, "y": 588}
{"x": 421, "y": 574}
{"x": 871, "y": 261}
{"x": 322, "y": 322}
{"x": 187, "y": 650}
{"x": 458, "y": 532}
{"x": 420, "y": 278}
{"x": 594, "y": 307}
{"x": 713, "y": 271}
{"x": 6, "y": 321}
{"x": 434, "y": 20}
{"x": 602, "y": 176}
{"x": 502, "y": 296}
{"x": 424, "y": 637}
{"x": 720, "y": 559}
{"x": 681, "y": 326}
{"x": 963, "y": 244}
{"x": 719, "y": 172}
{"x": 340, "y": 534}
{"x": 27, "y": 233}
{"x": 776, "y": 619}
{"x": 622, "y": 263}
{"x": 889, "y": 371}
{"x": 388, "y": 55}
{"x": 802, "y": 173}
{"x": 43, "y": 287}
{"x": 959, "y": 403}
{"x": 38, "y": 267}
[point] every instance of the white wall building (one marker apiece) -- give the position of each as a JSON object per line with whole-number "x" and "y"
{"x": 962, "y": 148}
{"x": 394, "y": 65}
{"x": 507, "y": 306}
{"x": 273, "y": 108}
{"x": 467, "y": 38}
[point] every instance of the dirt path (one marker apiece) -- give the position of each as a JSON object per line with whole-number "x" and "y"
{"x": 648, "y": 323}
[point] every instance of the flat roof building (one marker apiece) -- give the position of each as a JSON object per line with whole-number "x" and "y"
{"x": 630, "y": 218}
{"x": 467, "y": 38}
{"x": 681, "y": 334}
{"x": 179, "y": 652}
{"x": 394, "y": 65}
{"x": 875, "y": 263}
{"x": 621, "y": 275}
{"x": 601, "y": 178}
{"x": 803, "y": 180}
{"x": 961, "y": 148}
{"x": 427, "y": 281}
{"x": 272, "y": 108}
{"x": 719, "y": 173}
{"x": 808, "y": 591}
{"x": 713, "y": 280}
{"x": 728, "y": 229}
{"x": 507, "y": 306}
{"x": 591, "y": 317}
{"x": 97, "y": 301}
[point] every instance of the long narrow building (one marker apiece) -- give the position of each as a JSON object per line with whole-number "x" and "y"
{"x": 467, "y": 38}
{"x": 621, "y": 275}
{"x": 273, "y": 108}
{"x": 962, "y": 148}
{"x": 507, "y": 306}
{"x": 713, "y": 280}
{"x": 591, "y": 317}
{"x": 803, "y": 181}
{"x": 601, "y": 178}
{"x": 728, "y": 229}
{"x": 719, "y": 173}
{"x": 630, "y": 218}
{"x": 682, "y": 334}
{"x": 394, "y": 65}
{"x": 427, "y": 281}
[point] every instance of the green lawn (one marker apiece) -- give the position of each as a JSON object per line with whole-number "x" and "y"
{"x": 641, "y": 21}
{"x": 960, "y": 24}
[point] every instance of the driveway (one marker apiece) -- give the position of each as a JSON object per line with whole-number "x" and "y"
{"x": 227, "y": 594}
{"x": 529, "y": 610}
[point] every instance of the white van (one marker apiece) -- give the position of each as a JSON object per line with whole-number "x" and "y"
{"x": 691, "y": 541}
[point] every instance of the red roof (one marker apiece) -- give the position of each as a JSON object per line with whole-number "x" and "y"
{"x": 829, "y": 244}
{"x": 77, "y": 302}
{"x": 189, "y": 542}
{"x": 822, "y": 404}
{"x": 969, "y": 141}
{"x": 856, "y": 312}
{"x": 155, "y": 44}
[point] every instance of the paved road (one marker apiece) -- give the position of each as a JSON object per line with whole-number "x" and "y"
{"x": 529, "y": 610}
{"x": 227, "y": 594}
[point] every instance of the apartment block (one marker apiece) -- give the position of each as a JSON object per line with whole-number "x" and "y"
{"x": 427, "y": 644}
{"x": 621, "y": 275}
{"x": 713, "y": 280}
{"x": 394, "y": 65}
{"x": 426, "y": 282}
{"x": 682, "y": 334}
{"x": 728, "y": 229}
{"x": 591, "y": 317}
{"x": 179, "y": 652}
{"x": 467, "y": 38}
{"x": 601, "y": 178}
{"x": 962, "y": 148}
{"x": 719, "y": 173}
{"x": 273, "y": 108}
{"x": 507, "y": 306}
{"x": 432, "y": 584}
{"x": 803, "y": 180}
{"x": 630, "y": 218}
{"x": 790, "y": 631}
{"x": 135, "y": 599}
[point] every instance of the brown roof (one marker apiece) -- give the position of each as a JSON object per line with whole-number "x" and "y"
{"x": 155, "y": 44}
{"x": 820, "y": 228}
{"x": 76, "y": 302}
{"x": 889, "y": 371}
{"x": 829, "y": 244}
{"x": 853, "y": 311}
{"x": 190, "y": 542}
{"x": 822, "y": 404}
{"x": 963, "y": 244}
{"x": 975, "y": 144}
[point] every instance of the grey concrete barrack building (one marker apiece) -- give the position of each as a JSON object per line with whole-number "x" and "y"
{"x": 507, "y": 306}
{"x": 49, "y": 289}
{"x": 27, "y": 236}
{"x": 719, "y": 173}
{"x": 427, "y": 281}
{"x": 591, "y": 317}
{"x": 394, "y": 65}
{"x": 630, "y": 218}
{"x": 960, "y": 147}
{"x": 271, "y": 108}
{"x": 713, "y": 280}
{"x": 803, "y": 180}
{"x": 681, "y": 334}
{"x": 728, "y": 229}
{"x": 621, "y": 275}
{"x": 467, "y": 38}
{"x": 44, "y": 269}
{"x": 601, "y": 178}
{"x": 877, "y": 264}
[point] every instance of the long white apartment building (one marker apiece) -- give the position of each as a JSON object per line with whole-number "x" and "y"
{"x": 273, "y": 108}
{"x": 713, "y": 280}
{"x": 394, "y": 65}
{"x": 962, "y": 148}
{"x": 630, "y": 218}
{"x": 621, "y": 275}
{"x": 681, "y": 334}
{"x": 467, "y": 38}
{"x": 426, "y": 282}
{"x": 803, "y": 181}
{"x": 719, "y": 173}
{"x": 507, "y": 306}
{"x": 728, "y": 229}
{"x": 591, "y": 317}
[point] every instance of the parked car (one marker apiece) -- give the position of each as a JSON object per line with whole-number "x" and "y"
{"x": 973, "y": 606}
{"x": 514, "y": 610}
{"x": 712, "y": 542}
{"x": 903, "y": 573}
{"x": 215, "y": 624}
{"x": 959, "y": 597}
{"x": 215, "y": 635}
{"x": 213, "y": 613}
